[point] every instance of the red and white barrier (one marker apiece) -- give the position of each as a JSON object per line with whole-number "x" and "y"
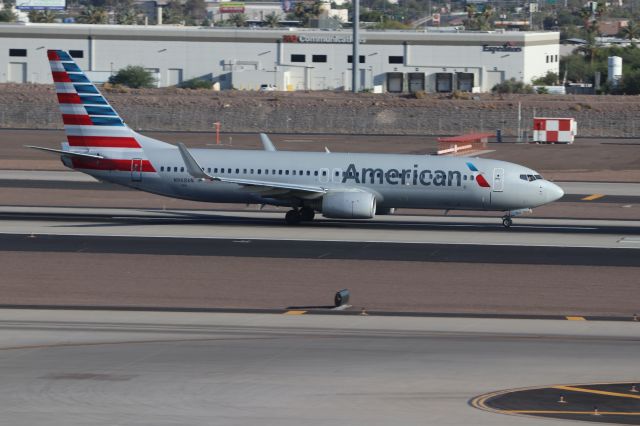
{"x": 554, "y": 130}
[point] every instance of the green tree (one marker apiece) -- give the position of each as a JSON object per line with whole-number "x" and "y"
{"x": 93, "y": 15}
{"x": 7, "y": 15}
{"x": 550, "y": 79}
{"x": 133, "y": 76}
{"x": 272, "y": 20}
{"x": 238, "y": 19}
{"x": 195, "y": 10}
{"x": 173, "y": 12}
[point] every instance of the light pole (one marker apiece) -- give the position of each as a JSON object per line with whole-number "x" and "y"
{"x": 355, "y": 59}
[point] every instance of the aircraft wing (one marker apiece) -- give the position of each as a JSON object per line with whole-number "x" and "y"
{"x": 69, "y": 153}
{"x": 262, "y": 186}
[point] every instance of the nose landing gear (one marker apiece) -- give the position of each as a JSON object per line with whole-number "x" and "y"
{"x": 506, "y": 221}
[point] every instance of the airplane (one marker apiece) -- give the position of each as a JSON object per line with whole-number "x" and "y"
{"x": 337, "y": 185}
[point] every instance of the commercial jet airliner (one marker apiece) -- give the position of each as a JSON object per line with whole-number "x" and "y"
{"x": 338, "y": 185}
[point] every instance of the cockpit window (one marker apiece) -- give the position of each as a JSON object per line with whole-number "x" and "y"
{"x": 530, "y": 178}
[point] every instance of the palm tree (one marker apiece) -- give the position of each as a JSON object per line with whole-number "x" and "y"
{"x": 93, "y": 15}
{"x": 238, "y": 19}
{"x": 631, "y": 31}
{"x": 42, "y": 16}
{"x": 471, "y": 10}
{"x": 272, "y": 20}
{"x": 589, "y": 49}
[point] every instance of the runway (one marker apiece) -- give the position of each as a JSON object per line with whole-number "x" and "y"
{"x": 239, "y": 259}
{"x": 96, "y": 368}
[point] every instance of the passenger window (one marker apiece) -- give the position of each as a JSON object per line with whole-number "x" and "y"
{"x": 293, "y": 172}
{"x": 337, "y": 173}
{"x": 175, "y": 169}
{"x": 259, "y": 171}
{"x": 465, "y": 177}
{"x": 324, "y": 173}
{"x": 266, "y": 171}
{"x": 308, "y": 173}
{"x": 301, "y": 172}
{"x": 215, "y": 170}
{"x": 279, "y": 172}
{"x": 286, "y": 172}
{"x": 315, "y": 173}
{"x": 182, "y": 169}
{"x": 237, "y": 171}
{"x": 162, "y": 168}
{"x": 208, "y": 169}
{"x": 244, "y": 171}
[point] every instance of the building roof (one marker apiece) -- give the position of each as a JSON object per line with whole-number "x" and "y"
{"x": 184, "y": 33}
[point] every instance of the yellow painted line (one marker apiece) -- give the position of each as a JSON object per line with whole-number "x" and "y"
{"x": 596, "y": 391}
{"x": 603, "y": 413}
{"x": 593, "y": 197}
{"x": 295, "y": 312}
{"x": 576, "y": 319}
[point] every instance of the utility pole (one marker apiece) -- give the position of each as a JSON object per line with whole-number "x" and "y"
{"x": 355, "y": 59}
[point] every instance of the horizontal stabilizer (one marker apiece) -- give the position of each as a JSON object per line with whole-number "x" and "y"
{"x": 69, "y": 153}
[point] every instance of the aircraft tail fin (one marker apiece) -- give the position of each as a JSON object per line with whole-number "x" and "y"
{"x": 91, "y": 124}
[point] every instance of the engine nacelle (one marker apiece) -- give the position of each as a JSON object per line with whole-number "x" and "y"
{"x": 349, "y": 205}
{"x": 385, "y": 210}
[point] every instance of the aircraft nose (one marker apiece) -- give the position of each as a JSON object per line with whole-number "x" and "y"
{"x": 554, "y": 192}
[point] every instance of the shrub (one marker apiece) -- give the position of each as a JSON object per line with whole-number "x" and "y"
{"x": 133, "y": 76}
{"x": 420, "y": 94}
{"x": 512, "y": 86}
{"x": 550, "y": 79}
{"x": 196, "y": 83}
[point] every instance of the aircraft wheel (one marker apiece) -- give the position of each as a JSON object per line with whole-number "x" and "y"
{"x": 507, "y": 222}
{"x": 307, "y": 214}
{"x": 292, "y": 217}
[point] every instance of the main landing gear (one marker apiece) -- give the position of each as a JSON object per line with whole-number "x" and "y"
{"x": 295, "y": 216}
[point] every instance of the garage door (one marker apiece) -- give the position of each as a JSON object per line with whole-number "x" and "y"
{"x": 444, "y": 82}
{"x": 416, "y": 81}
{"x": 394, "y": 82}
{"x": 465, "y": 81}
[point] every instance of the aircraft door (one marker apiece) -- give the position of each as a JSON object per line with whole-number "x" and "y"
{"x": 498, "y": 180}
{"x": 136, "y": 170}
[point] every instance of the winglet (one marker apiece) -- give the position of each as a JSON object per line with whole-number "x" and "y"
{"x": 266, "y": 142}
{"x": 327, "y": 150}
{"x": 192, "y": 165}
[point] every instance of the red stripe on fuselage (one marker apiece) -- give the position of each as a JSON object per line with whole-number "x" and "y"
{"x": 53, "y": 55}
{"x": 103, "y": 141}
{"x": 60, "y": 77}
{"x": 69, "y": 98}
{"x": 83, "y": 120}
{"x": 482, "y": 181}
{"x": 109, "y": 164}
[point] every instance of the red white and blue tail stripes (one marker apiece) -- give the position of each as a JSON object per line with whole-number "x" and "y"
{"x": 89, "y": 121}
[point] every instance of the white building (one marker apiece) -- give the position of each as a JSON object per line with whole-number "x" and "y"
{"x": 296, "y": 59}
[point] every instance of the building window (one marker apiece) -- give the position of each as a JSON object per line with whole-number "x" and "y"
{"x": 298, "y": 58}
{"x": 556, "y": 58}
{"x": 350, "y": 59}
{"x": 76, "y": 53}
{"x": 17, "y": 52}
{"x": 319, "y": 58}
{"x": 396, "y": 59}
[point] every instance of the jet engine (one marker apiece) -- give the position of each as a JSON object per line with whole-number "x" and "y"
{"x": 349, "y": 205}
